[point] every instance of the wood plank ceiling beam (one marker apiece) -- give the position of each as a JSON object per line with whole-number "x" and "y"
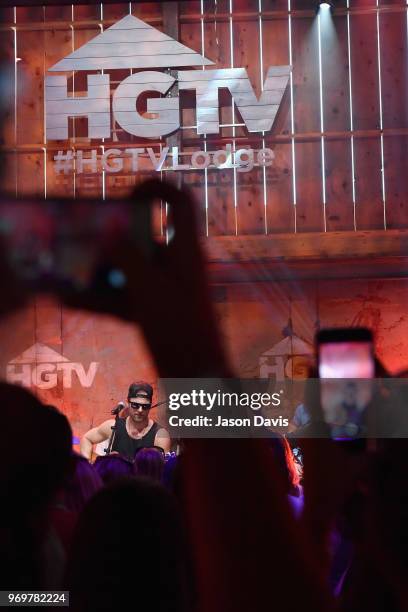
{"x": 369, "y": 254}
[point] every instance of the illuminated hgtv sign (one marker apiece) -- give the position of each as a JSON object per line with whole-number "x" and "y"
{"x": 133, "y": 44}
{"x": 42, "y": 367}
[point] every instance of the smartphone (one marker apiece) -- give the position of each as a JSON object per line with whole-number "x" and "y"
{"x": 61, "y": 245}
{"x": 346, "y": 368}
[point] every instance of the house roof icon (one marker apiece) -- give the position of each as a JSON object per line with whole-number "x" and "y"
{"x": 288, "y": 346}
{"x": 39, "y": 353}
{"x": 130, "y": 43}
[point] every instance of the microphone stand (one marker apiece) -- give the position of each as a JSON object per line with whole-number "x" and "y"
{"x": 159, "y": 404}
{"x": 116, "y": 411}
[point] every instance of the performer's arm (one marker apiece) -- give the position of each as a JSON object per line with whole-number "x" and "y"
{"x": 162, "y": 439}
{"x": 94, "y": 436}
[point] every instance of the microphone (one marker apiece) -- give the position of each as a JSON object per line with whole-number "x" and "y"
{"x": 119, "y": 407}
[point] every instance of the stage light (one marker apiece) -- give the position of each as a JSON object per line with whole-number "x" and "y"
{"x": 324, "y": 6}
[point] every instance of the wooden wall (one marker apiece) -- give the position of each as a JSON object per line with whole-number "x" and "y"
{"x": 267, "y": 327}
{"x": 337, "y": 193}
{"x": 350, "y": 176}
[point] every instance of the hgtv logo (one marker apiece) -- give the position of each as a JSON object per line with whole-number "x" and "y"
{"x": 42, "y": 367}
{"x": 133, "y": 44}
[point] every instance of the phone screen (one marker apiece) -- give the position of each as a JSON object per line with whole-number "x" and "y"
{"x": 346, "y": 360}
{"x": 52, "y": 244}
{"x": 346, "y": 370}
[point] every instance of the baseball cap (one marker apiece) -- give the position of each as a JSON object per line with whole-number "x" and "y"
{"x": 136, "y": 387}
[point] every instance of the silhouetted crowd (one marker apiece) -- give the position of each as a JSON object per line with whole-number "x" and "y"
{"x": 121, "y": 533}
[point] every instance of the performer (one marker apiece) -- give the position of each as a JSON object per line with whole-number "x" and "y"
{"x": 131, "y": 433}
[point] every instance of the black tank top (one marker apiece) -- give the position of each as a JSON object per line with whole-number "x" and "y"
{"x": 127, "y": 446}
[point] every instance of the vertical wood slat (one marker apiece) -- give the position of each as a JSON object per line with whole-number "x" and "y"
{"x": 234, "y": 115}
{"x": 30, "y": 78}
{"x": 8, "y": 176}
{"x": 7, "y": 14}
{"x": 369, "y": 205}
{"x": 309, "y": 207}
{"x": 220, "y": 183}
{"x": 273, "y": 5}
{"x": 356, "y": 4}
{"x": 48, "y": 323}
{"x": 30, "y": 95}
{"x": 57, "y": 44}
{"x": 191, "y": 36}
{"x": 396, "y": 177}
{"x": 366, "y": 115}
{"x": 280, "y": 212}
{"x": 221, "y": 213}
{"x": 339, "y": 188}
{"x": 120, "y": 184}
{"x": 17, "y": 334}
{"x": 217, "y": 48}
{"x": 249, "y": 186}
{"x": 86, "y": 185}
{"x": 363, "y": 41}
{"x": 394, "y": 71}
{"x": 147, "y": 11}
{"x": 114, "y": 12}
{"x": 305, "y": 41}
{"x": 7, "y": 135}
{"x": 338, "y": 166}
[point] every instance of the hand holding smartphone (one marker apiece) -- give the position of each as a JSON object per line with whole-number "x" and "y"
{"x": 105, "y": 257}
{"x": 346, "y": 370}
